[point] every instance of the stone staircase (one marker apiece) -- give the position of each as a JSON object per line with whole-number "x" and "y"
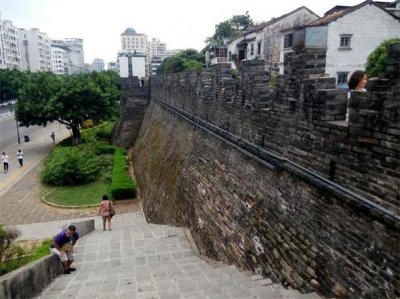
{"x": 141, "y": 260}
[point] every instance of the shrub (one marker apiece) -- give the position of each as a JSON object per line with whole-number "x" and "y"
{"x": 122, "y": 185}
{"x": 103, "y": 134}
{"x": 71, "y": 166}
{"x": 377, "y": 60}
{"x": 10, "y": 254}
{"x": 105, "y": 149}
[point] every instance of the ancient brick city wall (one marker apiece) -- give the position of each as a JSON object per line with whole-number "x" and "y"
{"x": 200, "y": 162}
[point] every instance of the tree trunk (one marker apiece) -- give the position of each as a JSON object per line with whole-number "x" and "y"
{"x": 76, "y": 135}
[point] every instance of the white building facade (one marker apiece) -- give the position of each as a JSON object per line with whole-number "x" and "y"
{"x": 58, "y": 59}
{"x": 98, "y": 65}
{"x": 264, "y": 41}
{"x": 35, "y": 50}
{"x": 10, "y": 55}
{"x": 74, "y": 54}
{"x": 131, "y": 63}
{"x": 351, "y": 38}
{"x": 112, "y": 66}
{"x": 348, "y": 36}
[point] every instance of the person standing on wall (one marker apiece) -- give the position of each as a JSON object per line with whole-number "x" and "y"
{"x": 20, "y": 156}
{"x": 357, "y": 82}
{"x": 4, "y": 159}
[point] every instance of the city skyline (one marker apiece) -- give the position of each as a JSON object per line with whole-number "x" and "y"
{"x": 100, "y": 24}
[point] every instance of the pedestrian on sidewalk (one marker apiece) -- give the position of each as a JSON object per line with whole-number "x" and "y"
{"x": 4, "y": 159}
{"x": 20, "y": 156}
{"x": 63, "y": 247}
{"x": 53, "y": 136}
{"x": 106, "y": 211}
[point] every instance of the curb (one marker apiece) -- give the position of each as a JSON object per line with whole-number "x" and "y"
{"x": 67, "y": 207}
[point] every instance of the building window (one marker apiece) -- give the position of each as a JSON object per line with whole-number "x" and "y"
{"x": 252, "y": 49}
{"x": 345, "y": 41}
{"x": 258, "y": 48}
{"x": 288, "y": 40}
{"x": 341, "y": 78}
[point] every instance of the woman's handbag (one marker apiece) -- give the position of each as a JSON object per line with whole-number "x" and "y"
{"x": 112, "y": 210}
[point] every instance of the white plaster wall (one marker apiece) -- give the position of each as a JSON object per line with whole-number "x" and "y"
{"x": 370, "y": 26}
{"x": 272, "y": 34}
{"x": 138, "y": 66}
{"x": 123, "y": 67}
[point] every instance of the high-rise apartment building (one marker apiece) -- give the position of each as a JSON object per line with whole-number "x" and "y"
{"x": 157, "y": 52}
{"x": 155, "y": 48}
{"x": 59, "y": 59}
{"x": 112, "y": 66}
{"x": 98, "y": 65}
{"x": 74, "y": 54}
{"x": 35, "y": 50}
{"x": 10, "y": 55}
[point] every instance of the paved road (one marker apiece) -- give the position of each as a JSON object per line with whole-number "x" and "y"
{"x": 8, "y": 131}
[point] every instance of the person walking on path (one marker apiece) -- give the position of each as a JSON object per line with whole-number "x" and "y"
{"x": 4, "y": 159}
{"x": 53, "y": 136}
{"x": 106, "y": 211}
{"x": 63, "y": 247}
{"x": 20, "y": 156}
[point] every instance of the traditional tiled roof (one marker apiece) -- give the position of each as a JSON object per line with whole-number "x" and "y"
{"x": 270, "y": 22}
{"x": 338, "y": 13}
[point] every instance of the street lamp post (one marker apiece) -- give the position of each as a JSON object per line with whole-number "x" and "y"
{"x": 19, "y": 140}
{"x": 16, "y": 121}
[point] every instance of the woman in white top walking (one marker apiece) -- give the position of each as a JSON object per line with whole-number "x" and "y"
{"x": 20, "y": 156}
{"x": 4, "y": 159}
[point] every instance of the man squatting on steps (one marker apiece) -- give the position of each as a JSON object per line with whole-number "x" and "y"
{"x": 63, "y": 247}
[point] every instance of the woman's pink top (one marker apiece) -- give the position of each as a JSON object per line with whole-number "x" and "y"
{"x": 105, "y": 208}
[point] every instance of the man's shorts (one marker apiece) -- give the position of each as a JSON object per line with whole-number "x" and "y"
{"x": 67, "y": 256}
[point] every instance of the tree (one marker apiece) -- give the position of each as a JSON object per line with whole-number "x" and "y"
{"x": 377, "y": 60}
{"x": 69, "y": 100}
{"x": 10, "y": 82}
{"x": 187, "y": 60}
{"x": 230, "y": 29}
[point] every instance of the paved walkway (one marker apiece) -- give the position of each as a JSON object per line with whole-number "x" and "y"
{"x": 141, "y": 260}
{"x": 19, "y": 189}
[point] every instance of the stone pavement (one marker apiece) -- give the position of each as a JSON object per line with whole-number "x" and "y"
{"x": 141, "y": 260}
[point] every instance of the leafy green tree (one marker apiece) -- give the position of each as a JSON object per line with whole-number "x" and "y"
{"x": 10, "y": 81}
{"x": 187, "y": 60}
{"x": 377, "y": 60}
{"x": 69, "y": 100}
{"x": 230, "y": 29}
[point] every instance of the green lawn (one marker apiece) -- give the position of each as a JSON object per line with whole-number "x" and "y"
{"x": 81, "y": 195}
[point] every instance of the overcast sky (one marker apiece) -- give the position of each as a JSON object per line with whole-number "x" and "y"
{"x": 181, "y": 24}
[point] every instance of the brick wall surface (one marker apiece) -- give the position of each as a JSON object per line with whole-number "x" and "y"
{"x": 269, "y": 219}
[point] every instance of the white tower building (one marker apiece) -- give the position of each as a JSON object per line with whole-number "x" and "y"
{"x": 10, "y": 55}
{"x": 35, "y": 50}
{"x": 58, "y": 59}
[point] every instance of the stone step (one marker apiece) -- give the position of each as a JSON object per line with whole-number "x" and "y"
{"x": 139, "y": 260}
